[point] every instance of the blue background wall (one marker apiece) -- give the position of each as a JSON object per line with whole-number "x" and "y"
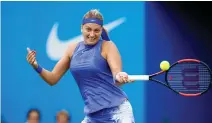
{"x": 151, "y": 32}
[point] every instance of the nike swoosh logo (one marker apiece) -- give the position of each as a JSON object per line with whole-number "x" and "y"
{"x": 55, "y": 47}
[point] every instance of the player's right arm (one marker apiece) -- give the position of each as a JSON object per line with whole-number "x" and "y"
{"x": 52, "y": 77}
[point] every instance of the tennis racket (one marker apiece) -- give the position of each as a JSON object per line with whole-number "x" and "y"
{"x": 187, "y": 77}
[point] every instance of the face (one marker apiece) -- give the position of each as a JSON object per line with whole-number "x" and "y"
{"x": 91, "y": 33}
{"x": 33, "y": 117}
{"x": 62, "y": 118}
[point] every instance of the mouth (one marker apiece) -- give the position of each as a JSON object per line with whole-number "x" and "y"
{"x": 91, "y": 38}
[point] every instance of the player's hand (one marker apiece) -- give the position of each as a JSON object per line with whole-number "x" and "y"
{"x": 31, "y": 57}
{"x": 122, "y": 77}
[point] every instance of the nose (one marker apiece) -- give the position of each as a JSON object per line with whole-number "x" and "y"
{"x": 92, "y": 33}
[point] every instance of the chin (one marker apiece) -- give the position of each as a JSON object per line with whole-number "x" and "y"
{"x": 91, "y": 42}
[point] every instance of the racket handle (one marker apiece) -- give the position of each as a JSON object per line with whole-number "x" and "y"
{"x": 138, "y": 77}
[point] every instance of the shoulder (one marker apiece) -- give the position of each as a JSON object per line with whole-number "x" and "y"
{"x": 108, "y": 48}
{"x": 71, "y": 48}
{"x": 73, "y": 45}
{"x": 108, "y": 45}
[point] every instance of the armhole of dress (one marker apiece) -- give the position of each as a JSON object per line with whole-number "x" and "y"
{"x": 100, "y": 49}
{"x": 76, "y": 48}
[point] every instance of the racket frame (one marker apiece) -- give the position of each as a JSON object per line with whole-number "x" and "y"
{"x": 166, "y": 83}
{"x": 189, "y": 60}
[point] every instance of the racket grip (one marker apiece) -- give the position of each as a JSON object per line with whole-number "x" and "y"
{"x": 138, "y": 77}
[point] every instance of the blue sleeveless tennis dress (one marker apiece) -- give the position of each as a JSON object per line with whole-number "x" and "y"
{"x": 94, "y": 79}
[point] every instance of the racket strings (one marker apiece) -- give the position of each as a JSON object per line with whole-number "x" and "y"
{"x": 189, "y": 78}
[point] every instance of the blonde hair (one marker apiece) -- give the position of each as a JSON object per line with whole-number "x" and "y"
{"x": 94, "y": 13}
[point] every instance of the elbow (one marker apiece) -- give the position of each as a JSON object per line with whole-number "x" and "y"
{"x": 52, "y": 82}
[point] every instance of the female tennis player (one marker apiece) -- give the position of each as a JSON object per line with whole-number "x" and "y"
{"x": 96, "y": 65}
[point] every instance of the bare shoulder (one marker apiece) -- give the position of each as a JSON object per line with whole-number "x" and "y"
{"x": 71, "y": 47}
{"x": 107, "y": 45}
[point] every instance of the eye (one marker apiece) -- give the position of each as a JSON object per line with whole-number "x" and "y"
{"x": 97, "y": 30}
{"x": 88, "y": 29}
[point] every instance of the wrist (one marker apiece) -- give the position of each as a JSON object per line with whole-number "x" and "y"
{"x": 115, "y": 77}
{"x": 35, "y": 65}
{"x": 38, "y": 68}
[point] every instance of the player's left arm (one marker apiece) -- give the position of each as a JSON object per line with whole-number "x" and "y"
{"x": 113, "y": 58}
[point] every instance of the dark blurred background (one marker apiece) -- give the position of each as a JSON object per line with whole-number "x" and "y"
{"x": 177, "y": 30}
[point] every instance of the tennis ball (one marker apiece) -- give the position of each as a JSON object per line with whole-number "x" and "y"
{"x": 164, "y": 65}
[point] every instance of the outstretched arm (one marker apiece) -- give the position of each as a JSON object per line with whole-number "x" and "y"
{"x": 114, "y": 60}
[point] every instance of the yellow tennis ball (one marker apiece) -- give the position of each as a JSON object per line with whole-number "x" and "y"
{"x": 164, "y": 65}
